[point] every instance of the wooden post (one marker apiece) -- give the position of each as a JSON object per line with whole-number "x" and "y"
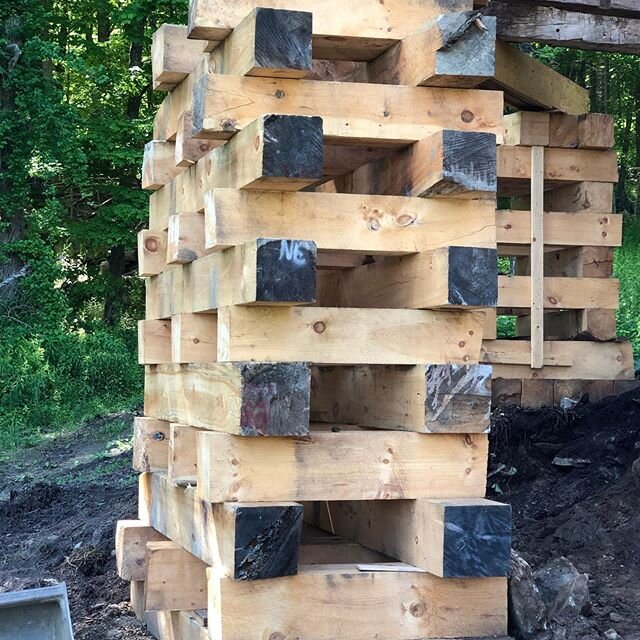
{"x": 537, "y": 257}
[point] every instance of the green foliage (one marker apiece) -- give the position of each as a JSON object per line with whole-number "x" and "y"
{"x": 76, "y": 108}
{"x": 627, "y": 269}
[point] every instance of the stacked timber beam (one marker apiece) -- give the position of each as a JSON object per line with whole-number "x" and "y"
{"x": 600, "y": 25}
{"x": 560, "y": 233}
{"x": 319, "y": 263}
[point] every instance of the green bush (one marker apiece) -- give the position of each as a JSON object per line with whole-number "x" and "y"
{"x": 52, "y": 381}
{"x": 627, "y": 269}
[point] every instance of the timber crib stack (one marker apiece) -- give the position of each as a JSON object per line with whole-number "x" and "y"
{"x": 319, "y": 261}
{"x": 558, "y": 171}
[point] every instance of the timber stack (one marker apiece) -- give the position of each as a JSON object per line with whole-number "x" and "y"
{"x": 557, "y": 171}
{"x": 320, "y": 257}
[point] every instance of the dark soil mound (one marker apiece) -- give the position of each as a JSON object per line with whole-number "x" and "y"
{"x": 571, "y": 480}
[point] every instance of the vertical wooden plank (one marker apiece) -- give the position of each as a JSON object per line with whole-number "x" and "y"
{"x": 537, "y": 257}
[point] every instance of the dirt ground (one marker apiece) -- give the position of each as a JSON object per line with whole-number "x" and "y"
{"x": 59, "y": 504}
{"x": 588, "y": 512}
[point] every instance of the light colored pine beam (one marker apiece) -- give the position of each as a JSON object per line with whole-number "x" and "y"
{"x": 352, "y": 113}
{"x": 341, "y": 463}
{"x": 323, "y": 601}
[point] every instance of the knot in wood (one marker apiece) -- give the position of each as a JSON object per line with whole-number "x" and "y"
{"x": 151, "y": 244}
{"x": 276, "y": 635}
{"x": 417, "y": 609}
{"x": 319, "y": 327}
{"x": 467, "y": 116}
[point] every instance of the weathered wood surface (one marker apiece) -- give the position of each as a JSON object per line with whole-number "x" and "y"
{"x": 250, "y": 399}
{"x": 341, "y": 462}
{"x": 460, "y": 538}
{"x": 361, "y": 33}
{"x": 529, "y": 84}
{"x": 173, "y": 56}
{"x": 329, "y": 602}
{"x": 131, "y": 548}
{"x": 541, "y": 129}
{"x": 556, "y": 27}
{"x": 169, "y": 566}
{"x": 272, "y": 43}
{"x": 563, "y": 360}
{"x": 456, "y": 164}
{"x": 150, "y": 444}
{"x": 425, "y": 399}
{"x": 455, "y": 51}
{"x": 629, "y": 8}
{"x": 458, "y": 277}
{"x": 244, "y": 541}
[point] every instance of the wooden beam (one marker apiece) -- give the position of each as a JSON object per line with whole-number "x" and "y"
{"x": 362, "y": 34}
{"x": 576, "y": 324}
{"x": 561, "y": 166}
{"x": 560, "y": 229}
{"x": 182, "y": 466}
{"x": 556, "y": 27}
{"x": 348, "y": 336}
{"x": 166, "y": 561}
{"x": 164, "y": 294}
{"x": 536, "y": 283}
{"x": 162, "y": 204}
{"x": 536, "y": 128}
{"x": 358, "y": 224}
{"x": 424, "y": 398}
{"x": 272, "y": 43}
{"x": 461, "y": 538}
{"x": 458, "y": 277}
{"x": 274, "y": 152}
{"x": 352, "y": 113}
{"x": 194, "y": 338}
{"x": 150, "y": 444}
{"x": 152, "y": 252}
{"x": 564, "y": 360}
{"x": 154, "y": 341}
{"x": 456, "y": 50}
{"x": 189, "y": 149}
{"x": 346, "y": 463}
{"x": 607, "y": 7}
{"x": 596, "y": 131}
{"x": 247, "y": 399}
{"x": 131, "y": 548}
{"x": 323, "y": 601}
{"x": 185, "y": 238}
{"x": 528, "y": 83}
{"x": 262, "y": 271}
{"x": 595, "y": 197}
{"x": 514, "y": 292}
{"x": 159, "y": 164}
{"x": 449, "y": 163}
{"x": 241, "y": 541}
{"x": 173, "y": 56}
{"x": 527, "y": 128}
